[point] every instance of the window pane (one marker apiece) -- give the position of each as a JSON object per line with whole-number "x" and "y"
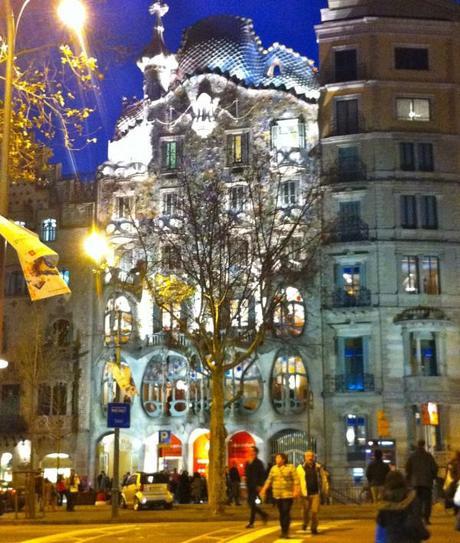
{"x": 429, "y": 212}
{"x": 345, "y": 65}
{"x": 347, "y": 117}
{"x": 411, "y": 58}
{"x": 421, "y": 109}
{"x": 425, "y": 157}
{"x": 354, "y": 363}
{"x": 408, "y": 211}
{"x": 429, "y": 365}
{"x": 430, "y": 274}
{"x": 409, "y": 274}
{"x": 406, "y": 156}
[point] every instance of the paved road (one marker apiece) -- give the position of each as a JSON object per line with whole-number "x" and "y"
{"x": 332, "y": 531}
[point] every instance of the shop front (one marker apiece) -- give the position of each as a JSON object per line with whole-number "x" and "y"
{"x": 238, "y": 450}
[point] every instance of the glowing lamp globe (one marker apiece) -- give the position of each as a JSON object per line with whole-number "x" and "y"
{"x": 72, "y": 13}
{"x": 3, "y": 364}
{"x": 97, "y": 247}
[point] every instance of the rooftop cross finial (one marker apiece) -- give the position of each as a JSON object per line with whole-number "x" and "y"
{"x": 160, "y": 9}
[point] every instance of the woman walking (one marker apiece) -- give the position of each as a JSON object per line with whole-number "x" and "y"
{"x": 284, "y": 481}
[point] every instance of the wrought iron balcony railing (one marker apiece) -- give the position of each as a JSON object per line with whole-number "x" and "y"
{"x": 349, "y": 383}
{"x": 347, "y": 172}
{"x": 346, "y": 229}
{"x": 359, "y": 297}
{"x": 334, "y": 74}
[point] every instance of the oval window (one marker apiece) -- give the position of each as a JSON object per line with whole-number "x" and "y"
{"x": 245, "y": 381}
{"x": 289, "y": 384}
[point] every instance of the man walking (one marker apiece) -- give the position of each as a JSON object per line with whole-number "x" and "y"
{"x": 376, "y": 473}
{"x": 313, "y": 484}
{"x": 255, "y": 478}
{"x": 284, "y": 481}
{"x": 421, "y": 471}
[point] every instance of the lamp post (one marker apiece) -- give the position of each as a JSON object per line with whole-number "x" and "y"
{"x": 72, "y": 13}
{"x": 97, "y": 247}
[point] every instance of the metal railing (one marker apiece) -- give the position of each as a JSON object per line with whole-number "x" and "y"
{"x": 334, "y": 74}
{"x": 349, "y": 383}
{"x": 348, "y": 229}
{"x": 359, "y": 297}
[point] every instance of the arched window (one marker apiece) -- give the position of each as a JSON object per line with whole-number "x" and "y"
{"x": 109, "y": 386}
{"x": 289, "y": 313}
{"x": 165, "y": 385}
{"x": 48, "y": 229}
{"x": 252, "y": 389}
{"x": 290, "y": 388}
{"x": 118, "y": 320}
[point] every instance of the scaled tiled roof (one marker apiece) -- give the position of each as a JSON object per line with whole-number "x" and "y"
{"x": 228, "y": 45}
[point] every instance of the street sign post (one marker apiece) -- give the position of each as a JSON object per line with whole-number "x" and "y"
{"x": 118, "y": 415}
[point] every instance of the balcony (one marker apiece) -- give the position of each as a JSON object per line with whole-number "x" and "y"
{"x": 354, "y": 124}
{"x": 347, "y": 172}
{"x": 349, "y": 73}
{"x": 349, "y": 383}
{"x": 346, "y": 229}
{"x": 359, "y": 297}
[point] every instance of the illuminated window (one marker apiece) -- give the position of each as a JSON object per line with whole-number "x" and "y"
{"x": 288, "y": 134}
{"x": 423, "y": 353}
{"x": 118, "y": 321}
{"x": 289, "y": 384}
{"x": 413, "y": 109}
{"x": 289, "y": 313}
{"x": 238, "y": 149}
{"x": 165, "y": 385}
{"x": 170, "y": 155}
{"x": 245, "y": 383}
{"x": 420, "y": 275}
{"x": 171, "y": 318}
{"x": 239, "y": 313}
{"x": 48, "y": 230}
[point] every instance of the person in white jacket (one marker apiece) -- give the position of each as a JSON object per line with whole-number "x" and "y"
{"x": 313, "y": 484}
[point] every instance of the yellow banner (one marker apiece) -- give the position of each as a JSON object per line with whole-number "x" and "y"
{"x": 38, "y": 262}
{"x": 122, "y": 375}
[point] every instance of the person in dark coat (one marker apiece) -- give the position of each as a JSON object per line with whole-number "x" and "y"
{"x": 400, "y": 517}
{"x": 376, "y": 473}
{"x": 183, "y": 488}
{"x": 255, "y": 479}
{"x": 235, "y": 484}
{"x": 421, "y": 471}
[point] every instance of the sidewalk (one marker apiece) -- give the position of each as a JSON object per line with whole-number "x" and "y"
{"x": 90, "y": 514}
{"x": 101, "y": 514}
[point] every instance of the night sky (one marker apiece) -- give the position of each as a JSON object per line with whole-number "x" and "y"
{"x": 127, "y": 23}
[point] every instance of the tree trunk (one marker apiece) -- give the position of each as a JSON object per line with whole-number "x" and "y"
{"x": 216, "y": 479}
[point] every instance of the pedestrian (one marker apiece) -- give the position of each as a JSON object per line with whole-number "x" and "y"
{"x": 376, "y": 473}
{"x": 255, "y": 478}
{"x": 235, "y": 484}
{"x": 196, "y": 488}
{"x": 313, "y": 484}
{"x": 72, "y": 484}
{"x": 49, "y": 495}
{"x": 451, "y": 484}
{"x": 60, "y": 489}
{"x": 102, "y": 482}
{"x": 183, "y": 488}
{"x": 284, "y": 481}
{"x": 400, "y": 518}
{"x": 421, "y": 471}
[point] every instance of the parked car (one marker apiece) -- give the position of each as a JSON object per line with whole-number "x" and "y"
{"x": 7, "y": 497}
{"x": 143, "y": 490}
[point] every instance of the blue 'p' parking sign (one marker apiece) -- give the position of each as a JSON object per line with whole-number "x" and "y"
{"x": 118, "y": 415}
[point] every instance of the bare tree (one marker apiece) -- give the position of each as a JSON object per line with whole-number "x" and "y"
{"x": 217, "y": 261}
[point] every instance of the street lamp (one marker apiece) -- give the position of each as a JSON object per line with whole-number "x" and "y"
{"x": 3, "y": 364}
{"x": 98, "y": 248}
{"x": 74, "y": 19}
